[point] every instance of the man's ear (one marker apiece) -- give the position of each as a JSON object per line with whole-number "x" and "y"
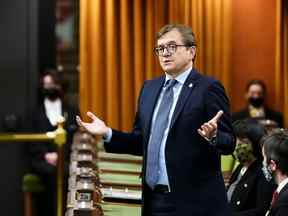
{"x": 192, "y": 51}
{"x": 273, "y": 165}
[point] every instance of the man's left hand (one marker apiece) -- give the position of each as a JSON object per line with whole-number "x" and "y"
{"x": 209, "y": 129}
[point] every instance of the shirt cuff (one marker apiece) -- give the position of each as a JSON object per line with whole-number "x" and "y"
{"x": 108, "y": 136}
{"x": 212, "y": 141}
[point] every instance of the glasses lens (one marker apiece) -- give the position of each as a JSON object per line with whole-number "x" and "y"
{"x": 171, "y": 48}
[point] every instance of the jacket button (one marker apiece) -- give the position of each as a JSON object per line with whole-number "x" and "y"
{"x": 245, "y": 185}
{"x": 238, "y": 203}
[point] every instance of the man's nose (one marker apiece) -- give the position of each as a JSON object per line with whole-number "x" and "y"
{"x": 166, "y": 52}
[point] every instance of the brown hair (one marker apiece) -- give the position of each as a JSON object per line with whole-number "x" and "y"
{"x": 188, "y": 37}
{"x": 256, "y": 82}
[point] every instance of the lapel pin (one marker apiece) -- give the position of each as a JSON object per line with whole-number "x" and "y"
{"x": 190, "y": 85}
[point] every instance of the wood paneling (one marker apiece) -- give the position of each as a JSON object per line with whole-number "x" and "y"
{"x": 253, "y": 47}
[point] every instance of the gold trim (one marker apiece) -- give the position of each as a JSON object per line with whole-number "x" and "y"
{"x": 59, "y": 137}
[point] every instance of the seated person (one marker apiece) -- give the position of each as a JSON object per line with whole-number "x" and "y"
{"x": 248, "y": 192}
{"x": 256, "y": 108}
{"x": 275, "y": 167}
{"x": 44, "y": 155}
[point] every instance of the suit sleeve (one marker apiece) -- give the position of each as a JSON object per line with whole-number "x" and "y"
{"x": 217, "y": 100}
{"x": 282, "y": 207}
{"x": 127, "y": 143}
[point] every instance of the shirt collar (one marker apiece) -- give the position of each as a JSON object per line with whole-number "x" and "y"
{"x": 282, "y": 184}
{"x": 181, "y": 78}
{"x": 50, "y": 103}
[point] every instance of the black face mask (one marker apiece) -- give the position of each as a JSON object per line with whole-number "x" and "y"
{"x": 51, "y": 93}
{"x": 256, "y": 101}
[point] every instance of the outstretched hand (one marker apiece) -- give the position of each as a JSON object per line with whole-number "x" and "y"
{"x": 209, "y": 129}
{"x": 96, "y": 127}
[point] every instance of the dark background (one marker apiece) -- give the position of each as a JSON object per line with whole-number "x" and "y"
{"x": 24, "y": 26}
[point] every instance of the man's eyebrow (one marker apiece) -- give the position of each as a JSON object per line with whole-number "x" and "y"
{"x": 169, "y": 42}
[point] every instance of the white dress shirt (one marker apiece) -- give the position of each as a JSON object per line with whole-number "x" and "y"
{"x": 53, "y": 110}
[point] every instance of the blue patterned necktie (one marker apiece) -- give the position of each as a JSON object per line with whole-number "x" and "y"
{"x": 157, "y": 133}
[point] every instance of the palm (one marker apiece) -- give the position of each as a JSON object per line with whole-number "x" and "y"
{"x": 96, "y": 127}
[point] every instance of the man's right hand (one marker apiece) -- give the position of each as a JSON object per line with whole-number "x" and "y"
{"x": 96, "y": 127}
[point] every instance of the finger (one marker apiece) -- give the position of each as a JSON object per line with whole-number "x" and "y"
{"x": 92, "y": 116}
{"x": 217, "y": 116}
{"x": 79, "y": 121}
{"x": 212, "y": 127}
{"x": 213, "y": 124}
{"x": 205, "y": 129}
{"x": 209, "y": 126}
{"x": 78, "y": 118}
{"x": 201, "y": 133}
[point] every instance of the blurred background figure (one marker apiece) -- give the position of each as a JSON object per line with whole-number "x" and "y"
{"x": 275, "y": 167}
{"x": 256, "y": 107}
{"x": 44, "y": 155}
{"x": 249, "y": 193}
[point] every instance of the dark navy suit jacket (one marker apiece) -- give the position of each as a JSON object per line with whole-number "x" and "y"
{"x": 193, "y": 164}
{"x": 280, "y": 207}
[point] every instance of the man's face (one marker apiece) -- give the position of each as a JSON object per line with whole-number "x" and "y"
{"x": 255, "y": 91}
{"x": 181, "y": 60}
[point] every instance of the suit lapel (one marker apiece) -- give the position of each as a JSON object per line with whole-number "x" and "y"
{"x": 235, "y": 174}
{"x": 153, "y": 96}
{"x": 283, "y": 191}
{"x": 251, "y": 171}
{"x": 46, "y": 123}
{"x": 189, "y": 84}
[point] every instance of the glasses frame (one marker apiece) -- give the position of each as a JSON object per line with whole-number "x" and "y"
{"x": 156, "y": 49}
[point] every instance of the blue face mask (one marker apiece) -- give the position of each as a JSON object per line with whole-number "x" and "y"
{"x": 267, "y": 171}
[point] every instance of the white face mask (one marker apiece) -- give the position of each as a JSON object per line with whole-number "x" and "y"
{"x": 267, "y": 171}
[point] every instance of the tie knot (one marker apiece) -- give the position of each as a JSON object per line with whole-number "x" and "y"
{"x": 170, "y": 83}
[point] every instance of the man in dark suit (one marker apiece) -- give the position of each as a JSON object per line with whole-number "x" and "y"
{"x": 179, "y": 131}
{"x": 44, "y": 155}
{"x": 275, "y": 166}
{"x": 255, "y": 95}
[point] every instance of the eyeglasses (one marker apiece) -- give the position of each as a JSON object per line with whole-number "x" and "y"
{"x": 170, "y": 48}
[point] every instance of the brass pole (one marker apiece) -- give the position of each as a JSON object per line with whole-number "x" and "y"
{"x": 60, "y": 140}
{"x": 59, "y": 137}
{"x": 49, "y": 136}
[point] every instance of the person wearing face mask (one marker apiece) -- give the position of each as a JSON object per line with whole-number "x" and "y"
{"x": 275, "y": 167}
{"x": 256, "y": 108}
{"x": 248, "y": 192}
{"x": 44, "y": 155}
